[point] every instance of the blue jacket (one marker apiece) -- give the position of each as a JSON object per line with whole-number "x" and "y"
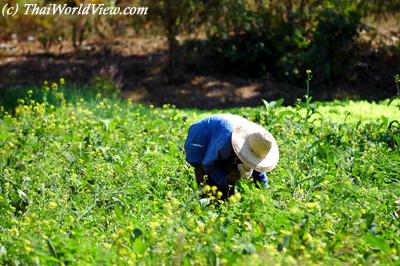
{"x": 209, "y": 144}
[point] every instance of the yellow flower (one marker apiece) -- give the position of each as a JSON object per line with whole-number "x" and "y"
{"x": 219, "y": 194}
{"x": 217, "y": 249}
{"x": 206, "y": 188}
{"x": 214, "y": 189}
{"x": 232, "y": 199}
{"x": 312, "y": 205}
{"x": 28, "y": 249}
{"x": 201, "y": 227}
{"x": 153, "y": 233}
{"x": 153, "y": 224}
{"x": 129, "y": 228}
{"x": 52, "y": 205}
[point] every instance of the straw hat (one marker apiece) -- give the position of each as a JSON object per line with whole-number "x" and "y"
{"x": 255, "y": 147}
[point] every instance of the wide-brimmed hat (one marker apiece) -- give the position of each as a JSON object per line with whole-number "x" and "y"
{"x": 255, "y": 147}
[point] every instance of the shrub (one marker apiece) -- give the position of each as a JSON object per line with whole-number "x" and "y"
{"x": 284, "y": 40}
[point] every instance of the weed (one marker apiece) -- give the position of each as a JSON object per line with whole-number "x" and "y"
{"x": 103, "y": 181}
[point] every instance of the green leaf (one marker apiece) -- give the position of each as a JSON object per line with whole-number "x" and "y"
{"x": 51, "y": 248}
{"x": 369, "y": 218}
{"x": 23, "y": 196}
{"x": 118, "y": 212}
{"x": 377, "y": 242}
{"x": 139, "y": 246}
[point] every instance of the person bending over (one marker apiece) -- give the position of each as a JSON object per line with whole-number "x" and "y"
{"x": 225, "y": 148}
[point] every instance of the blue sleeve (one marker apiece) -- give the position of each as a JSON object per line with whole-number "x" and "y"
{"x": 219, "y": 149}
{"x": 260, "y": 177}
{"x": 196, "y": 142}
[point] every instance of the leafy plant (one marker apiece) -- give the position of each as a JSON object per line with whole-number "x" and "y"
{"x": 104, "y": 181}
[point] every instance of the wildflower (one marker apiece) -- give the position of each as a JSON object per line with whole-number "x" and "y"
{"x": 28, "y": 249}
{"x": 153, "y": 224}
{"x": 206, "y": 188}
{"x": 201, "y": 227}
{"x": 397, "y": 81}
{"x": 153, "y": 233}
{"x": 214, "y": 189}
{"x": 219, "y": 194}
{"x": 248, "y": 226}
{"x": 217, "y": 249}
{"x": 235, "y": 198}
{"x": 52, "y": 204}
{"x": 129, "y": 228}
{"x": 62, "y": 81}
{"x": 319, "y": 250}
{"x": 308, "y": 80}
{"x": 311, "y": 205}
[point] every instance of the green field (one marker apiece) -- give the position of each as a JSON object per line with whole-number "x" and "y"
{"x": 104, "y": 181}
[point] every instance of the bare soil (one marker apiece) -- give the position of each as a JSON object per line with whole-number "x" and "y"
{"x": 136, "y": 65}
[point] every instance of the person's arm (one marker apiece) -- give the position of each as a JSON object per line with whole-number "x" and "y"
{"x": 200, "y": 175}
{"x": 217, "y": 173}
{"x": 260, "y": 177}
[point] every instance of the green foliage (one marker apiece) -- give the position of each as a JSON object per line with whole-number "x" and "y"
{"x": 254, "y": 38}
{"x": 105, "y": 182}
{"x": 105, "y": 86}
{"x": 333, "y": 39}
{"x": 48, "y": 30}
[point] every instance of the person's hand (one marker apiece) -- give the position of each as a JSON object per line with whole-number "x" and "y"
{"x": 200, "y": 175}
{"x": 245, "y": 172}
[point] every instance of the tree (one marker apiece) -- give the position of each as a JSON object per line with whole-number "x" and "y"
{"x": 179, "y": 17}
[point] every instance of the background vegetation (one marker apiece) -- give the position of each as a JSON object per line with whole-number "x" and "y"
{"x": 251, "y": 38}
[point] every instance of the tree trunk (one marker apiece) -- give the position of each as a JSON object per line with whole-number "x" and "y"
{"x": 170, "y": 19}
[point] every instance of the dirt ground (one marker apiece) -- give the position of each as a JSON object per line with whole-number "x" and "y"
{"x": 136, "y": 65}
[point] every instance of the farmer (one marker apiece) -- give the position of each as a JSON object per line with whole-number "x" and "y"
{"x": 225, "y": 148}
